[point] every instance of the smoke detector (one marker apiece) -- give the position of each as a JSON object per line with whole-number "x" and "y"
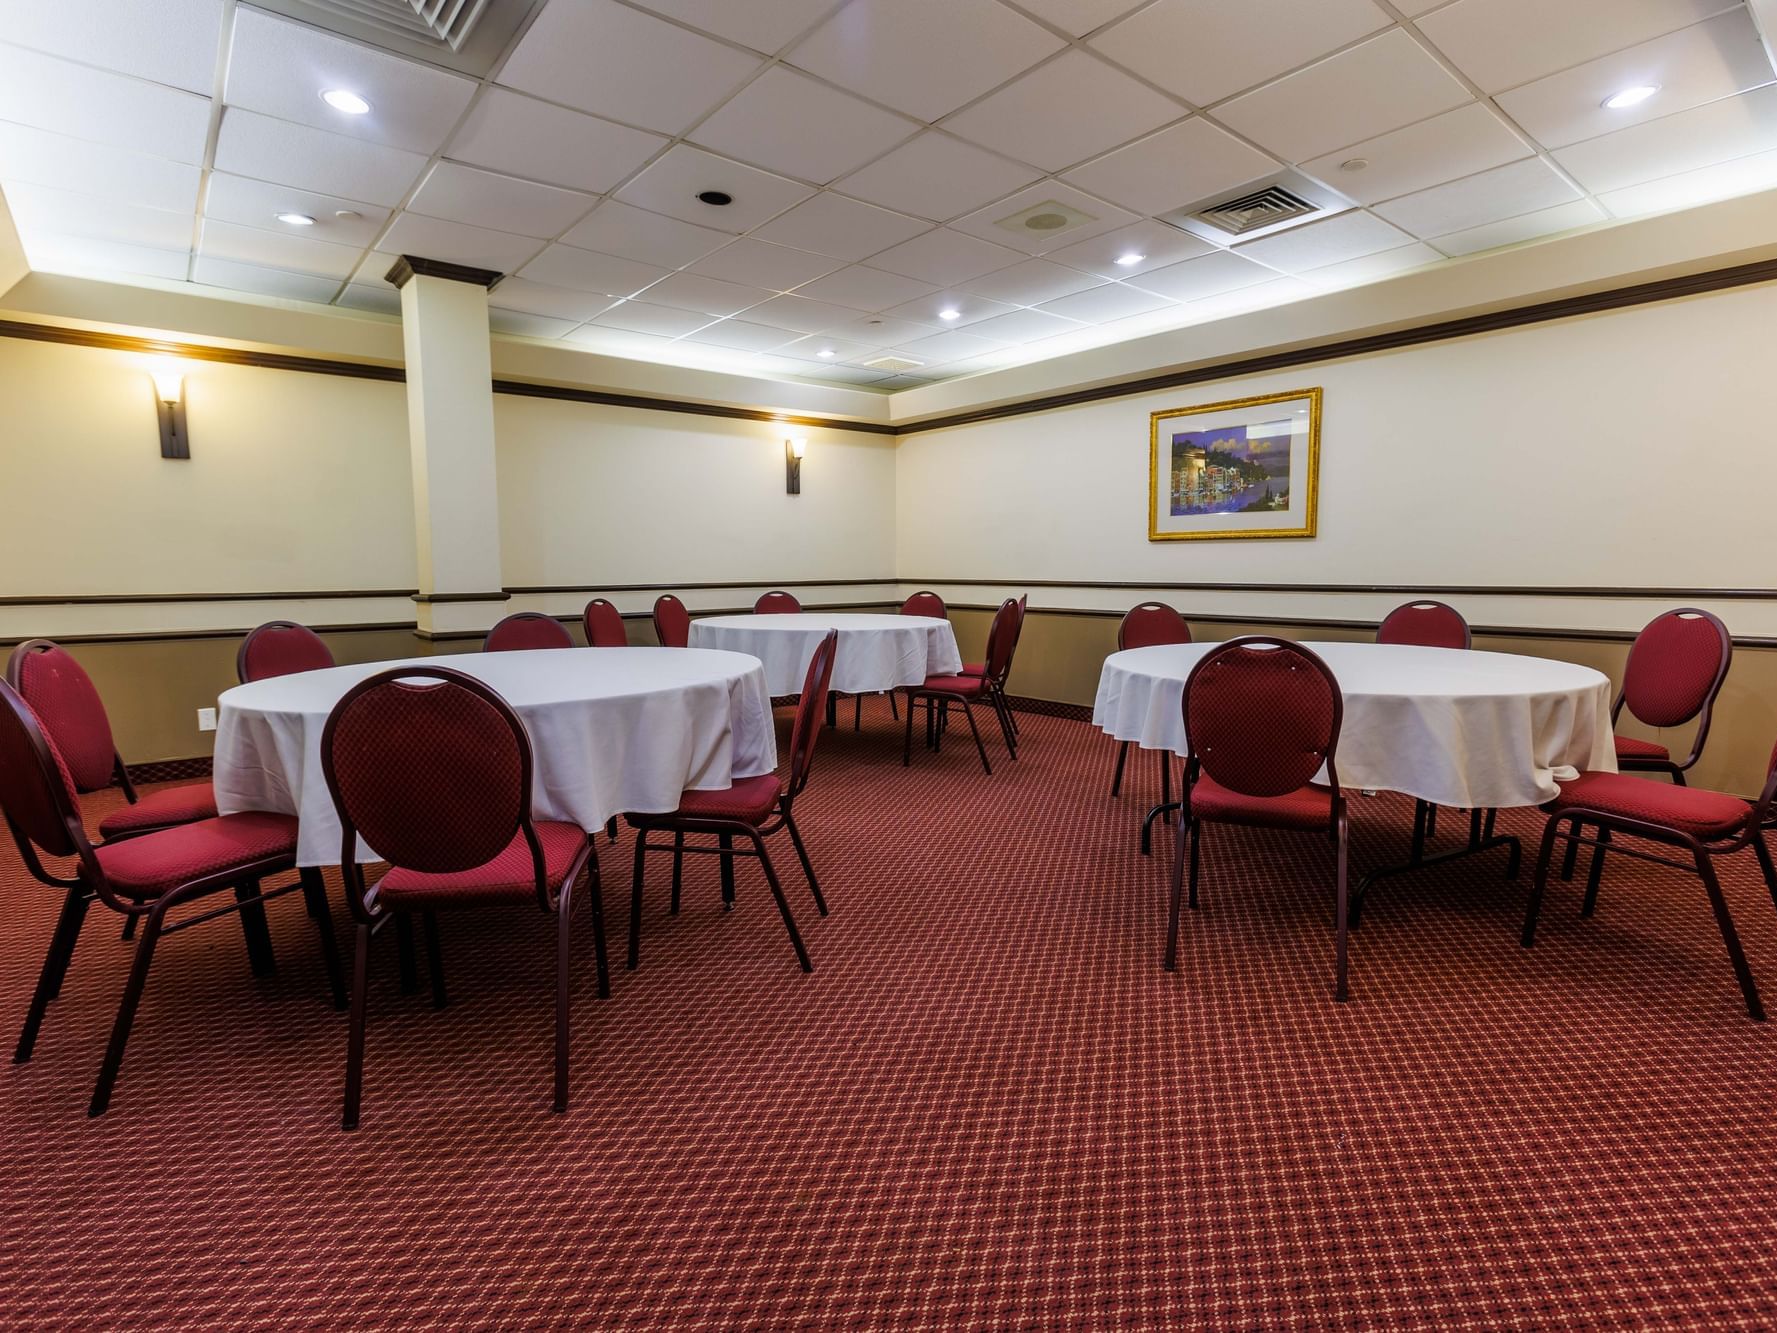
{"x": 1045, "y": 219}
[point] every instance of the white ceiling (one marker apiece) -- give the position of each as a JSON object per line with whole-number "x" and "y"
{"x": 872, "y": 149}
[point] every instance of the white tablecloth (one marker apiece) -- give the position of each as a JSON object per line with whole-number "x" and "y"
{"x": 875, "y": 652}
{"x": 1452, "y": 726}
{"x": 612, "y": 730}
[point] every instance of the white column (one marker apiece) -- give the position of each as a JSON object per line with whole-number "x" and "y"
{"x": 450, "y": 429}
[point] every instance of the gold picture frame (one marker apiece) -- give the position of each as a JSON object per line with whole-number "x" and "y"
{"x": 1206, "y": 500}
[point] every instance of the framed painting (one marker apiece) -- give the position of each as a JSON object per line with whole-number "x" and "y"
{"x": 1248, "y": 467}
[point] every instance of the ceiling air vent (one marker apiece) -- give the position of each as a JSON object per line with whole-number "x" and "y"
{"x": 1261, "y": 208}
{"x": 1272, "y": 204}
{"x": 465, "y": 35}
{"x": 894, "y": 363}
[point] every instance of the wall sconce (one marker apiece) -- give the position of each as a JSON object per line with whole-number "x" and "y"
{"x": 794, "y": 448}
{"x": 169, "y": 406}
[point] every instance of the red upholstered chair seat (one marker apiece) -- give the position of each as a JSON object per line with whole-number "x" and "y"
{"x": 1309, "y": 807}
{"x": 964, "y": 685}
{"x": 148, "y": 866}
{"x": 974, "y": 669}
{"x": 1629, "y": 747}
{"x": 750, "y": 800}
{"x": 161, "y": 809}
{"x": 1703, "y": 814}
{"x": 508, "y": 878}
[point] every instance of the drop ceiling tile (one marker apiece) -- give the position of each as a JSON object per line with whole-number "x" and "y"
{"x": 1504, "y": 192}
{"x": 938, "y": 177}
{"x": 1112, "y": 301}
{"x": 83, "y": 103}
{"x": 800, "y": 315}
{"x": 1072, "y": 108}
{"x": 830, "y": 224}
{"x": 41, "y": 158}
{"x": 923, "y": 57}
{"x": 525, "y": 137}
{"x": 761, "y": 264}
{"x": 1699, "y": 64}
{"x": 616, "y": 228}
{"x": 252, "y": 203}
{"x": 1102, "y": 216}
{"x": 967, "y": 309}
{"x": 1724, "y": 180}
{"x": 603, "y": 57}
{"x": 310, "y": 159}
{"x": 1261, "y": 296}
{"x": 864, "y": 288}
{"x": 281, "y": 68}
{"x": 827, "y": 351}
{"x": 1316, "y": 244}
{"x": 945, "y": 258}
{"x": 1373, "y": 268}
{"x": 1525, "y": 227}
{"x": 764, "y": 25}
{"x": 709, "y": 296}
{"x": 1733, "y": 127}
{"x": 1491, "y": 40}
{"x": 1026, "y": 326}
{"x": 1031, "y": 283}
{"x": 1078, "y": 17}
{"x": 1384, "y": 83}
{"x": 618, "y": 342}
{"x": 457, "y": 243}
{"x": 641, "y": 317}
{"x": 1149, "y": 244}
{"x": 1197, "y": 279}
{"x": 740, "y": 335}
{"x": 1183, "y": 164}
{"x": 51, "y": 252}
{"x": 879, "y": 331}
{"x": 373, "y": 270}
{"x": 526, "y": 325}
{"x": 1205, "y": 50}
{"x": 585, "y": 271}
{"x": 534, "y": 298}
{"x": 503, "y": 203}
{"x": 214, "y": 272}
{"x": 786, "y": 122}
{"x": 39, "y": 208}
{"x": 378, "y": 300}
{"x": 1458, "y": 143}
{"x": 944, "y": 347}
{"x": 672, "y": 183}
{"x": 169, "y": 41}
{"x": 855, "y": 375}
{"x": 1413, "y": 8}
{"x": 270, "y": 249}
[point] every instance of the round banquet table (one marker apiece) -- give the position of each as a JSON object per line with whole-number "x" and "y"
{"x": 612, "y": 730}
{"x": 876, "y": 652}
{"x": 1454, "y": 727}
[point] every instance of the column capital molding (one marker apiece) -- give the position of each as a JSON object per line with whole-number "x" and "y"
{"x": 408, "y": 267}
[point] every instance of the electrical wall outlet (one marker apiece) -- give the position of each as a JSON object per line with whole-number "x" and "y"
{"x": 206, "y": 719}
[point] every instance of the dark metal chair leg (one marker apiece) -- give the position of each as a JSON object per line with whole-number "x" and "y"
{"x": 1431, "y": 820}
{"x": 1341, "y": 988}
{"x": 1166, "y": 785}
{"x": 256, "y": 930}
{"x": 1595, "y": 873}
{"x": 975, "y": 731}
{"x": 1147, "y": 825}
{"x": 405, "y": 954}
{"x": 783, "y": 905}
{"x": 563, "y": 972}
{"x": 1004, "y": 715}
{"x": 1538, "y": 882}
{"x": 1117, "y": 773}
{"x": 678, "y": 868}
{"x": 857, "y": 712}
{"x": 434, "y": 958}
{"x": 1571, "y": 857}
{"x": 355, "y": 1031}
{"x": 1487, "y": 824}
{"x": 129, "y": 928}
{"x": 597, "y": 890}
{"x": 1729, "y": 937}
{"x": 1764, "y": 864}
{"x": 635, "y": 903}
{"x": 55, "y": 967}
{"x": 314, "y": 893}
{"x": 807, "y": 865}
{"x": 126, "y": 1012}
{"x": 894, "y": 708}
{"x": 725, "y": 841}
{"x": 1194, "y": 828}
{"x": 1170, "y": 962}
{"x": 611, "y": 828}
{"x": 907, "y": 745}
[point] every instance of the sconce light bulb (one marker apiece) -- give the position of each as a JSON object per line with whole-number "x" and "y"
{"x": 798, "y": 446}
{"x": 169, "y": 384}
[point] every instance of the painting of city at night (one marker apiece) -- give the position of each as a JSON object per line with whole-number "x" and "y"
{"x": 1244, "y": 468}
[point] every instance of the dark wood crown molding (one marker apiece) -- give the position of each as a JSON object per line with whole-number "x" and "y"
{"x": 503, "y": 595}
{"x": 1439, "y": 591}
{"x": 134, "y": 598}
{"x": 409, "y": 267}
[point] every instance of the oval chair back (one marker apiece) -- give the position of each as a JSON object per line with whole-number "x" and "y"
{"x": 603, "y": 623}
{"x": 925, "y": 604}
{"x": 672, "y": 622}
{"x": 1262, "y": 716}
{"x": 523, "y": 631}
{"x": 1675, "y": 669}
{"x": 37, "y": 792}
{"x": 1002, "y": 641}
{"x": 811, "y": 709}
{"x": 1426, "y": 625}
{"x": 66, "y": 705}
{"x": 432, "y": 768}
{"x": 776, "y": 603}
{"x": 1151, "y": 624}
{"x": 280, "y": 648}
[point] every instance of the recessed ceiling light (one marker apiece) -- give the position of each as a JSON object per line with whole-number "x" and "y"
{"x": 1130, "y": 260}
{"x": 826, "y": 351}
{"x": 296, "y": 219}
{"x": 715, "y": 198}
{"x": 344, "y": 99}
{"x": 1629, "y": 97}
{"x": 950, "y": 313}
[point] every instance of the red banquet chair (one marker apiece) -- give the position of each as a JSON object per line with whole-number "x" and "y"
{"x": 1427, "y": 624}
{"x": 146, "y": 876}
{"x": 1704, "y": 825}
{"x": 1262, "y": 716}
{"x": 433, "y": 769}
{"x": 525, "y": 630}
{"x": 939, "y": 692}
{"x": 752, "y": 809}
{"x": 1148, "y": 626}
{"x": 604, "y": 625}
{"x": 280, "y": 648}
{"x": 925, "y": 604}
{"x": 672, "y": 622}
{"x": 776, "y": 603}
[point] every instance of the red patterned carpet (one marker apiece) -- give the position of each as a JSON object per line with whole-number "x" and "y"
{"x": 988, "y": 1106}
